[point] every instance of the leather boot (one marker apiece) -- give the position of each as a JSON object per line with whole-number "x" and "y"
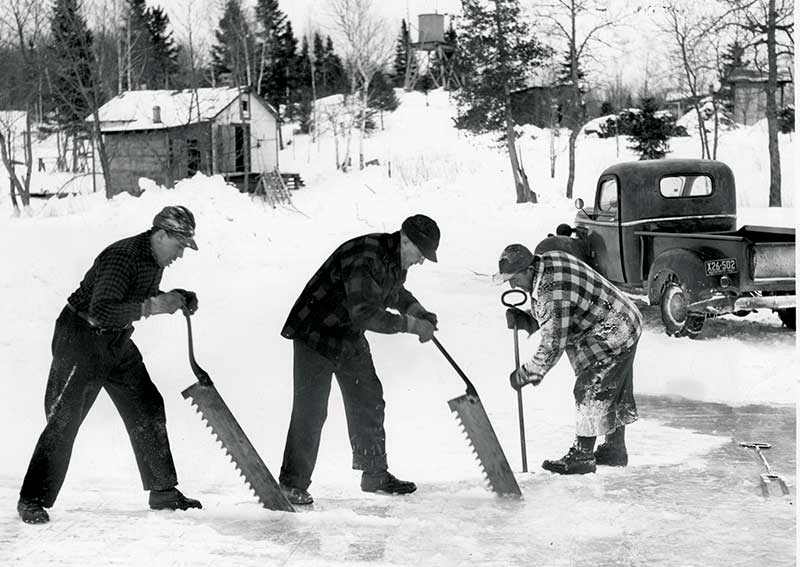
{"x": 386, "y": 482}
{"x": 171, "y": 499}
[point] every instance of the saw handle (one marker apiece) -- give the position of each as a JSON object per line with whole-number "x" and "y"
{"x": 514, "y": 305}
{"x": 202, "y": 376}
{"x": 470, "y": 388}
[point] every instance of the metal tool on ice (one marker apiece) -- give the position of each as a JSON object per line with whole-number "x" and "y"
{"x": 769, "y": 476}
{"x": 514, "y": 304}
{"x": 213, "y": 409}
{"x": 470, "y": 412}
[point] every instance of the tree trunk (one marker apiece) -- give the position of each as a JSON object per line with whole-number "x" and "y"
{"x": 573, "y": 139}
{"x": 521, "y": 185}
{"x": 772, "y": 112}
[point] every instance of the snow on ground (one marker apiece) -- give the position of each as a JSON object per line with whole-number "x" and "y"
{"x": 689, "y": 497}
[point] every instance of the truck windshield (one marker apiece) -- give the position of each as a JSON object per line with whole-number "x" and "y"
{"x": 673, "y": 186}
{"x": 607, "y": 199}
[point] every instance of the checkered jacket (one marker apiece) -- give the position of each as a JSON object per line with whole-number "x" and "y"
{"x": 579, "y": 311}
{"x": 350, "y": 294}
{"x": 121, "y": 278}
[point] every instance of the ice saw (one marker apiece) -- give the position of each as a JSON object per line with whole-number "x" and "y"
{"x": 213, "y": 409}
{"x": 470, "y": 412}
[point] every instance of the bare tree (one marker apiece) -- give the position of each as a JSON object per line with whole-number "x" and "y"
{"x": 368, "y": 47}
{"x": 770, "y": 26}
{"x": 696, "y": 33}
{"x": 579, "y": 23}
{"x": 23, "y": 26}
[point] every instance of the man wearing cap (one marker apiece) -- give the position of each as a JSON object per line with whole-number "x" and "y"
{"x": 92, "y": 349}
{"x": 578, "y": 311}
{"x": 348, "y": 295}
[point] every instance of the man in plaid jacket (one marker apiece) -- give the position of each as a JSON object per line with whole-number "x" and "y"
{"x": 93, "y": 350}
{"x": 578, "y": 311}
{"x": 348, "y": 295}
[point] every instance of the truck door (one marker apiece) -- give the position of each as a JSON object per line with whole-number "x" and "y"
{"x": 604, "y": 230}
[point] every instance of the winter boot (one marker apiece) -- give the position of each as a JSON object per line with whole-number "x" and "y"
{"x": 576, "y": 461}
{"x": 611, "y": 455}
{"x": 296, "y": 496}
{"x": 32, "y": 511}
{"x": 171, "y": 499}
{"x": 385, "y": 482}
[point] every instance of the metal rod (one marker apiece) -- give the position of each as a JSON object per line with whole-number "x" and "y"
{"x": 470, "y": 388}
{"x": 520, "y": 412}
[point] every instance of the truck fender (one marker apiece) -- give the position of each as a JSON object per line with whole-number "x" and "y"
{"x": 681, "y": 265}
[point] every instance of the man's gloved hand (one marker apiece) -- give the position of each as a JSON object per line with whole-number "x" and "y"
{"x": 523, "y": 320}
{"x": 418, "y": 311}
{"x": 163, "y": 303}
{"x": 189, "y": 298}
{"x": 520, "y": 378}
{"x": 421, "y": 327}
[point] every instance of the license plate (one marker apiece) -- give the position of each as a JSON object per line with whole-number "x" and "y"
{"x": 723, "y": 266}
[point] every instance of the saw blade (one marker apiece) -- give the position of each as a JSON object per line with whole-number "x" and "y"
{"x": 480, "y": 434}
{"x": 227, "y": 431}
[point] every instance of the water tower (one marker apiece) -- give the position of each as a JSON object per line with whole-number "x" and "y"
{"x": 431, "y": 53}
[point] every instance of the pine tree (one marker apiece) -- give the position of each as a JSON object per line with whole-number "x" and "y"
{"x": 232, "y": 55}
{"x": 499, "y": 53}
{"x": 73, "y": 65}
{"x": 272, "y": 50}
{"x": 649, "y": 134}
{"x": 732, "y": 59}
{"x": 401, "y": 55}
{"x": 164, "y": 64}
{"x": 334, "y": 69}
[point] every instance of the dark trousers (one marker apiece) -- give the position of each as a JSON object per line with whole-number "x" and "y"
{"x": 362, "y": 393}
{"x": 604, "y": 396}
{"x": 84, "y": 361}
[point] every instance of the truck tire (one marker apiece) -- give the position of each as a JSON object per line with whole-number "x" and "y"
{"x": 789, "y": 317}
{"x": 677, "y": 320}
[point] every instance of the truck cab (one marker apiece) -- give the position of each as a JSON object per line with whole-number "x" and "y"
{"x": 667, "y": 229}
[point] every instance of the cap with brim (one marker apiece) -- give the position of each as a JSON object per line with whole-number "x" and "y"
{"x": 178, "y": 222}
{"x": 185, "y": 240}
{"x": 514, "y": 258}
{"x": 424, "y": 233}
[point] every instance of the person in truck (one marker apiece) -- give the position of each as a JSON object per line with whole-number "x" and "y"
{"x": 93, "y": 350}
{"x": 578, "y": 311}
{"x": 350, "y": 294}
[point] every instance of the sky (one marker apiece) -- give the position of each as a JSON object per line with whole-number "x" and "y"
{"x": 628, "y": 52}
{"x": 690, "y": 495}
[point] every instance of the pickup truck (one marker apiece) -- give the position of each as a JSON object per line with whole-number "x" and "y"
{"x": 666, "y": 229}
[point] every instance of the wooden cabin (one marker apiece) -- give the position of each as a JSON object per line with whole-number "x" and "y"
{"x": 168, "y": 135}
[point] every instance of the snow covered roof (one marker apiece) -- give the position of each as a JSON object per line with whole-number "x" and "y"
{"x": 135, "y": 110}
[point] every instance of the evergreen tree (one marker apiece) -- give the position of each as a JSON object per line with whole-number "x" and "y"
{"x": 649, "y": 134}
{"x": 732, "y": 59}
{"x": 136, "y": 45}
{"x": 272, "y": 49}
{"x": 232, "y": 55}
{"x": 499, "y": 53}
{"x": 401, "y": 55}
{"x": 288, "y": 70}
{"x": 334, "y": 69}
{"x": 381, "y": 93}
{"x": 564, "y": 72}
{"x": 164, "y": 63}
{"x": 73, "y": 65}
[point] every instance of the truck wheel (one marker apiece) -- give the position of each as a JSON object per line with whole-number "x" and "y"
{"x": 789, "y": 317}
{"x": 677, "y": 320}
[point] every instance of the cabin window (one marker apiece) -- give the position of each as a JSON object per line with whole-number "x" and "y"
{"x": 676, "y": 186}
{"x": 607, "y": 200}
{"x": 245, "y": 106}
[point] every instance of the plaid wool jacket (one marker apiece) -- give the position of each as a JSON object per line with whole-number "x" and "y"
{"x": 350, "y": 294}
{"x": 121, "y": 278}
{"x": 579, "y": 311}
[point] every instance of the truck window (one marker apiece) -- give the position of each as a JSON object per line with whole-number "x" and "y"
{"x": 607, "y": 200}
{"x": 685, "y": 186}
